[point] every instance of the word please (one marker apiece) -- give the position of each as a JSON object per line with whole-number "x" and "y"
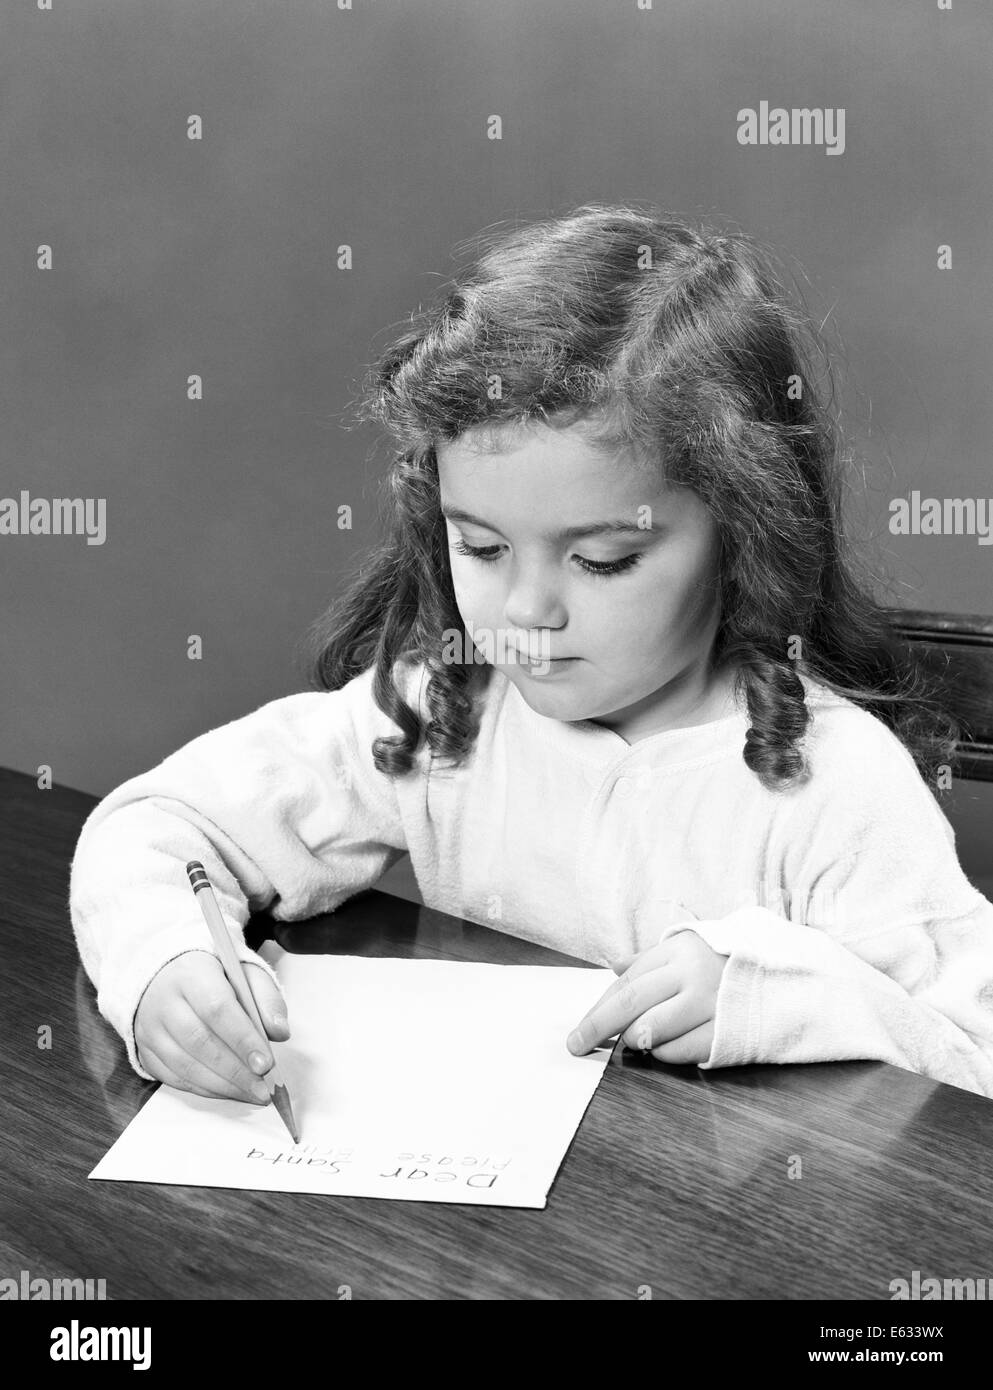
{"x": 60, "y": 516}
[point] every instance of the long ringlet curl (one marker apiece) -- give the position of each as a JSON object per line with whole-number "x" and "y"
{"x": 681, "y": 345}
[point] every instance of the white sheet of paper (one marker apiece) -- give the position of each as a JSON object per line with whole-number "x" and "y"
{"x": 422, "y": 1080}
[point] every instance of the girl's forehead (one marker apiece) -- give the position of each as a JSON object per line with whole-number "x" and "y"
{"x": 538, "y": 474}
{"x": 538, "y": 442}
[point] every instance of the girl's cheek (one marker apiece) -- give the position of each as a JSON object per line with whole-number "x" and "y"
{"x": 468, "y": 599}
{"x": 470, "y": 586}
{"x": 461, "y": 583}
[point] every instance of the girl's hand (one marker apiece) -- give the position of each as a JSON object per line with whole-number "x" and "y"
{"x": 192, "y": 1033}
{"x": 664, "y": 1002}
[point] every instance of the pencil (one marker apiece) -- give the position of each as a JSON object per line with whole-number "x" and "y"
{"x": 238, "y": 980}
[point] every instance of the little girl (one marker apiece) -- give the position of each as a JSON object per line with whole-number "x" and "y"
{"x": 610, "y": 682}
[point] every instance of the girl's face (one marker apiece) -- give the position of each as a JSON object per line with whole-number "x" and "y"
{"x": 630, "y": 649}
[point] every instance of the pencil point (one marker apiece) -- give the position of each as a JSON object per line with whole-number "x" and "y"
{"x": 281, "y": 1100}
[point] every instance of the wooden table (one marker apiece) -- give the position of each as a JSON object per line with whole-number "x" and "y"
{"x": 677, "y": 1179}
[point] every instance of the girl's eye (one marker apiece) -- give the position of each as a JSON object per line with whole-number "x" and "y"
{"x": 605, "y": 567}
{"x": 484, "y": 552}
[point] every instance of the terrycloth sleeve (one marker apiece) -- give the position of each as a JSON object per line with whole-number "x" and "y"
{"x": 286, "y": 811}
{"x": 886, "y": 950}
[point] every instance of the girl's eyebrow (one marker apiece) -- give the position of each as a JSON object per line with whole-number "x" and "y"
{"x": 569, "y": 533}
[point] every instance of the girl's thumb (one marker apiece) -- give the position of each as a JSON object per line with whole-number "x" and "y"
{"x": 272, "y": 1005}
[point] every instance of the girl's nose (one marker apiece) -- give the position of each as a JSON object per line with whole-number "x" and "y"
{"x": 533, "y": 603}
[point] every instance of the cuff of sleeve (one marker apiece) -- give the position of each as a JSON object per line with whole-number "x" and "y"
{"x": 736, "y": 1021}
{"x": 121, "y": 993}
{"x": 736, "y": 1017}
{"x": 789, "y": 992}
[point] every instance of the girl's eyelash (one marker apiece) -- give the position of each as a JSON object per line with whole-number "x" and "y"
{"x": 602, "y": 567}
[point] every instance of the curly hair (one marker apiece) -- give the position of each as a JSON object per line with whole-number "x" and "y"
{"x": 681, "y": 342}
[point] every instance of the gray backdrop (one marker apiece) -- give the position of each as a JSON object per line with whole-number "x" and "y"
{"x": 324, "y": 126}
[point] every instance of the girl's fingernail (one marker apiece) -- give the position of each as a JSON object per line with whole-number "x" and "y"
{"x": 261, "y": 1093}
{"x": 258, "y": 1063}
{"x": 574, "y": 1042}
{"x": 279, "y": 1019}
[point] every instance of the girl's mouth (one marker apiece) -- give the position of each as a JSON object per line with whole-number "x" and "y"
{"x": 548, "y": 667}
